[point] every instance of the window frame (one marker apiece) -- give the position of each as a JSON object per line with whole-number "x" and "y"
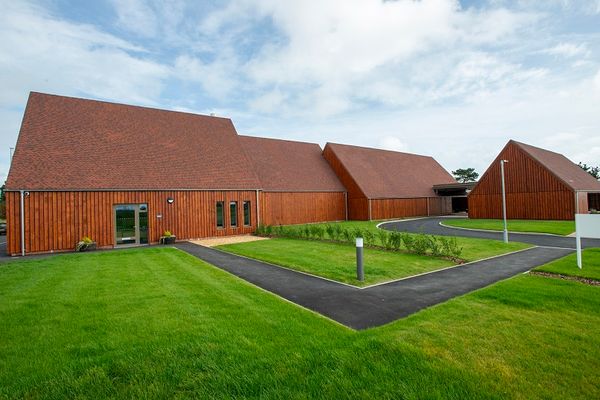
{"x": 231, "y": 215}
{"x": 222, "y": 203}
{"x": 247, "y": 203}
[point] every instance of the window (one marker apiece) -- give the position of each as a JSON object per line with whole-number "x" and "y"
{"x": 220, "y": 214}
{"x": 247, "y": 213}
{"x": 233, "y": 214}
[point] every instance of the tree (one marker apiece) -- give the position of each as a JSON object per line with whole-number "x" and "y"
{"x": 593, "y": 171}
{"x": 465, "y": 175}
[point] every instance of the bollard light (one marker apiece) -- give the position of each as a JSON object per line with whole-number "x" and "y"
{"x": 360, "y": 273}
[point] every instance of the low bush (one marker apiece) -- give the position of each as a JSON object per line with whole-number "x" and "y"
{"x": 394, "y": 241}
{"x": 421, "y": 243}
{"x": 384, "y": 237}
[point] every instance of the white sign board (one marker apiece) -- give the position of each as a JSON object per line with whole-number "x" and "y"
{"x": 587, "y": 226}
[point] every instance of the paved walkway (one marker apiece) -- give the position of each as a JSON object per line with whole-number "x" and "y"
{"x": 378, "y": 305}
{"x": 432, "y": 226}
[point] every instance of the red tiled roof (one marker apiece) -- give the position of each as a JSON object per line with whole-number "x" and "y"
{"x": 284, "y": 165}
{"x": 69, "y": 143}
{"x": 391, "y": 174}
{"x": 563, "y": 168}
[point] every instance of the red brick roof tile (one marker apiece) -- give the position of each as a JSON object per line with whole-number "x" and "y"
{"x": 284, "y": 165}
{"x": 75, "y": 144}
{"x": 391, "y": 174}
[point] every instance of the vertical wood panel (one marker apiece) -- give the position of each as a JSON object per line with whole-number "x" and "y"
{"x": 55, "y": 221}
{"x": 532, "y": 192}
{"x": 285, "y": 208}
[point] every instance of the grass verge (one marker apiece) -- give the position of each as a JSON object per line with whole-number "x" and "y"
{"x": 514, "y": 225}
{"x": 338, "y": 261}
{"x": 158, "y": 323}
{"x": 568, "y": 265}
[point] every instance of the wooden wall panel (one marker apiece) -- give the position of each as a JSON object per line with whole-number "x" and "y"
{"x": 358, "y": 209}
{"x": 55, "y": 221}
{"x": 543, "y": 205}
{"x": 522, "y": 174}
{"x": 415, "y": 207}
{"x": 286, "y": 208}
{"x": 533, "y": 192}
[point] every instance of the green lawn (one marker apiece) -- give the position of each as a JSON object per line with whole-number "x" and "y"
{"x": 158, "y": 323}
{"x": 338, "y": 261}
{"x": 568, "y": 265}
{"x": 514, "y": 225}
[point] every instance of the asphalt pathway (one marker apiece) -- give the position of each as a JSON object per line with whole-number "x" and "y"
{"x": 377, "y": 305}
{"x": 432, "y": 226}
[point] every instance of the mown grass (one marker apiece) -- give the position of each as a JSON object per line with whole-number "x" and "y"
{"x": 514, "y": 225}
{"x": 568, "y": 265}
{"x": 158, "y": 323}
{"x": 338, "y": 261}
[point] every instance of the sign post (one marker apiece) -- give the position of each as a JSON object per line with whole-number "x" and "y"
{"x": 587, "y": 226}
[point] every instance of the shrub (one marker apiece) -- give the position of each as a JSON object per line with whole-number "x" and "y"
{"x": 408, "y": 241}
{"x": 260, "y": 230}
{"x": 337, "y": 232}
{"x": 357, "y": 233}
{"x": 383, "y": 236}
{"x": 330, "y": 231}
{"x": 434, "y": 246}
{"x": 347, "y": 235}
{"x": 455, "y": 250}
{"x": 420, "y": 244}
{"x": 268, "y": 230}
{"x": 317, "y": 232}
{"x": 369, "y": 237}
{"x": 395, "y": 240}
{"x": 165, "y": 234}
{"x": 305, "y": 231}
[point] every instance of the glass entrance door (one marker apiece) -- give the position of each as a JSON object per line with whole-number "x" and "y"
{"x": 131, "y": 224}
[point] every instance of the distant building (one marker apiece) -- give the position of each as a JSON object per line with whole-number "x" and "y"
{"x": 540, "y": 184}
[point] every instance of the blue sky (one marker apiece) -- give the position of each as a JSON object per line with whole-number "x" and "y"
{"x": 455, "y": 80}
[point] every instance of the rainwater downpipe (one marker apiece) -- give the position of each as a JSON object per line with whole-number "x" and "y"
{"x": 22, "y": 212}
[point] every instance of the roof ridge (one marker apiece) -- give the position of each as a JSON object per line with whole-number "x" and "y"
{"x": 378, "y": 149}
{"x": 279, "y": 140}
{"x": 115, "y": 103}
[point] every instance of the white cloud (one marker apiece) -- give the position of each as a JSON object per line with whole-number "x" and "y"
{"x": 46, "y": 54}
{"x": 217, "y": 78}
{"x": 330, "y": 56}
{"x": 569, "y": 50}
{"x": 596, "y": 81}
{"x": 136, "y": 16}
{"x": 392, "y": 143}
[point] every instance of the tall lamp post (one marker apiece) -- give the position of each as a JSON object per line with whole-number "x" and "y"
{"x": 504, "y": 201}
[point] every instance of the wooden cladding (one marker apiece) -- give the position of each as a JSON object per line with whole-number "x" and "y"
{"x": 415, "y": 207}
{"x": 358, "y": 209}
{"x": 532, "y": 192}
{"x": 286, "y": 208}
{"x": 56, "y": 221}
{"x": 543, "y": 205}
{"x": 522, "y": 174}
